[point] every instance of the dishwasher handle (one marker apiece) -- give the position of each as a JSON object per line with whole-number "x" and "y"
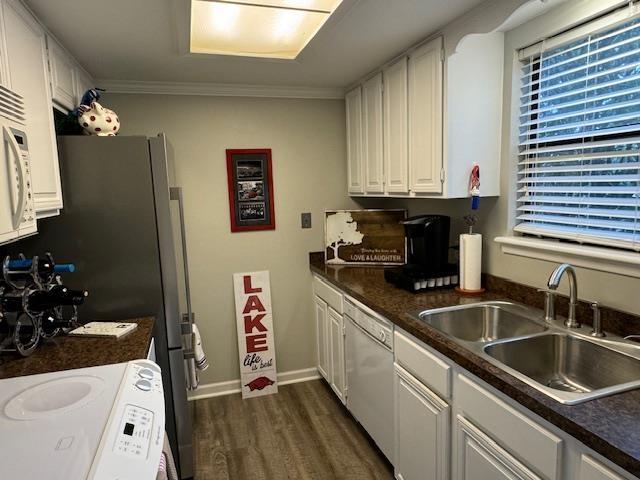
{"x": 381, "y": 336}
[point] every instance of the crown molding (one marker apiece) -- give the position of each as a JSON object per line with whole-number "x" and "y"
{"x": 218, "y": 89}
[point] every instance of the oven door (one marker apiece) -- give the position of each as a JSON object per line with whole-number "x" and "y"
{"x": 370, "y": 385}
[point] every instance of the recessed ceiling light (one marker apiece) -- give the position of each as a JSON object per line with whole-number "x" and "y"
{"x": 257, "y": 28}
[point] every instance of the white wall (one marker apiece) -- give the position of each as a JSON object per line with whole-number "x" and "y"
{"x": 610, "y": 289}
{"x": 309, "y": 168}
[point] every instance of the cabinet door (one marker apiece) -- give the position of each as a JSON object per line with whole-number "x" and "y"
{"x": 422, "y": 431}
{"x": 321, "y": 334}
{"x": 590, "y": 469}
{"x": 372, "y": 135}
{"x": 81, "y": 83}
{"x": 478, "y": 457}
{"x": 396, "y": 138}
{"x": 353, "y": 105}
{"x": 62, "y": 68}
{"x": 425, "y": 118}
{"x": 337, "y": 374}
{"x": 27, "y": 62}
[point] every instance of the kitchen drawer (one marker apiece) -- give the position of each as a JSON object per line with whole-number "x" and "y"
{"x": 332, "y": 296}
{"x": 422, "y": 364}
{"x": 526, "y": 439}
{"x": 591, "y": 469}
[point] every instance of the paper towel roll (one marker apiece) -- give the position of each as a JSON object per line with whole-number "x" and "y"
{"x": 470, "y": 261}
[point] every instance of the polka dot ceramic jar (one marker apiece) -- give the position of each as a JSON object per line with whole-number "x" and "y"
{"x": 98, "y": 120}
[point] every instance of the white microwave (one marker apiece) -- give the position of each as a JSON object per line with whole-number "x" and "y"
{"x": 17, "y": 214}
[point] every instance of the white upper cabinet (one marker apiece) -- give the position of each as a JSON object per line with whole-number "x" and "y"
{"x": 372, "y": 135}
{"x": 441, "y": 108}
{"x": 68, "y": 80}
{"x": 62, "y": 76}
{"x": 395, "y": 127}
{"x": 26, "y": 59}
{"x": 425, "y": 118}
{"x": 353, "y": 106}
{"x": 81, "y": 83}
{"x": 473, "y": 113}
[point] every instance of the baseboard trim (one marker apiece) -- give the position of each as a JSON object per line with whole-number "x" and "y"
{"x": 219, "y": 389}
{"x": 219, "y": 89}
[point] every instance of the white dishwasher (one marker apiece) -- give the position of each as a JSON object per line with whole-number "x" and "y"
{"x": 369, "y": 362}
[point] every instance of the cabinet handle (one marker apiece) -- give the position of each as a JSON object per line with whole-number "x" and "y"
{"x": 21, "y": 187}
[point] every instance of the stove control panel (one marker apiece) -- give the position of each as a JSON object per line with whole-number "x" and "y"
{"x": 135, "y": 432}
{"x": 133, "y": 438}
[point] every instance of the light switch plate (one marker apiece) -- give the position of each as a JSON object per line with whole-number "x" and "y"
{"x": 305, "y": 220}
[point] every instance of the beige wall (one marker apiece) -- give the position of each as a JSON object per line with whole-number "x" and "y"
{"x": 308, "y": 142}
{"x": 309, "y": 167}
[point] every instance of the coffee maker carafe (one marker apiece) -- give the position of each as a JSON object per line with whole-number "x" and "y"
{"x": 428, "y": 264}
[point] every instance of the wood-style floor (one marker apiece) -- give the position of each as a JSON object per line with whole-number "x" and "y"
{"x": 303, "y": 432}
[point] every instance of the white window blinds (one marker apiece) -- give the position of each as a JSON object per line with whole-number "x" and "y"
{"x": 579, "y": 160}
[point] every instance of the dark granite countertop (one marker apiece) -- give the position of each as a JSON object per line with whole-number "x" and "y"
{"x": 610, "y": 425}
{"x": 67, "y": 353}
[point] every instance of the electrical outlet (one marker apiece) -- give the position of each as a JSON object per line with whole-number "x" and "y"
{"x": 305, "y": 220}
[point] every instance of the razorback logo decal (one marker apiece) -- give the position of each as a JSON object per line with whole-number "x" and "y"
{"x": 259, "y": 383}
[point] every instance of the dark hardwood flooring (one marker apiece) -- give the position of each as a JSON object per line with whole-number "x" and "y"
{"x": 303, "y": 432}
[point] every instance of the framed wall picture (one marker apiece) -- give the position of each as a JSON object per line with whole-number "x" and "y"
{"x": 250, "y": 179}
{"x": 365, "y": 237}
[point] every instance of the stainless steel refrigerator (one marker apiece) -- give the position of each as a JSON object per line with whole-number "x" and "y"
{"x": 117, "y": 227}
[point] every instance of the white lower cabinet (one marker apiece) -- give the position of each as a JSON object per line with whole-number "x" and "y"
{"x": 448, "y": 423}
{"x": 321, "y": 313}
{"x": 422, "y": 422}
{"x": 337, "y": 372}
{"x": 590, "y": 469}
{"x": 479, "y": 457}
{"x": 328, "y": 305}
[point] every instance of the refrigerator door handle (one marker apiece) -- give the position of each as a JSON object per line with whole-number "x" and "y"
{"x": 175, "y": 193}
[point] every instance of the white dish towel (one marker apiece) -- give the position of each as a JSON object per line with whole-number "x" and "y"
{"x": 201, "y": 359}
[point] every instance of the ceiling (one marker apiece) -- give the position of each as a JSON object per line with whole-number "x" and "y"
{"x": 138, "y": 41}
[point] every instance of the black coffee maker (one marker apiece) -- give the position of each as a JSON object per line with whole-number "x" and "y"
{"x": 428, "y": 264}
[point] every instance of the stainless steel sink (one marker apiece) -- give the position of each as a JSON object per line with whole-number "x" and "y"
{"x": 568, "y": 365}
{"x": 484, "y": 322}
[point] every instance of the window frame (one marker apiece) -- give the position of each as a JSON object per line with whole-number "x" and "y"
{"x": 533, "y": 63}
{"x": 605, "y": 259}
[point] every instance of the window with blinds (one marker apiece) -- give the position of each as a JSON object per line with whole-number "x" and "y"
{"x": 579, "y": 143}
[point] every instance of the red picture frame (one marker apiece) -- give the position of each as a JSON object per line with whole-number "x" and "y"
{"x": 250, "y": 184}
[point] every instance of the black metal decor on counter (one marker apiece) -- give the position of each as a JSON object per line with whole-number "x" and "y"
{"x": 34, "y": 303}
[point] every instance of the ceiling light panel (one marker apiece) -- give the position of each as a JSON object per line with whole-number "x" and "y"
{"x": 317, "y": 5}
{"x": 257, "y": 28}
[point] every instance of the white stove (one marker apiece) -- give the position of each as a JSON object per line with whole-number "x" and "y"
{"x": 102, "y": 423}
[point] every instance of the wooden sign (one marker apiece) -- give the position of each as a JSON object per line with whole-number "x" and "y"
{"x": 255, "y": 334}
{"x": 365, "y": 237}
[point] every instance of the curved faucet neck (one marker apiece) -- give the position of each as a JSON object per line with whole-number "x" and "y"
{"x": 554, "y": 282}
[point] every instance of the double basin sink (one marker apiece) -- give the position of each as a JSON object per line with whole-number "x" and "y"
{"x": 568, "y": 365}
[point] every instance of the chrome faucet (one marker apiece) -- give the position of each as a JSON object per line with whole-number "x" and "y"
{"x": 554, "y": 282}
